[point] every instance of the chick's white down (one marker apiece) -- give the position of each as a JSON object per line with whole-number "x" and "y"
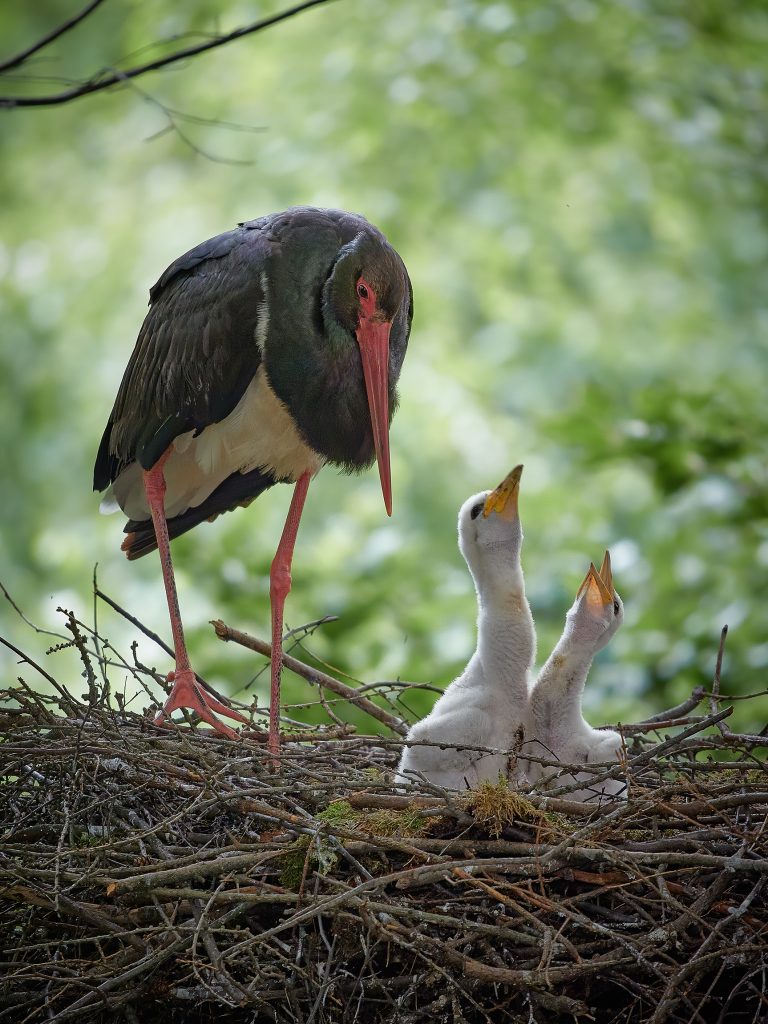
{"x": 493, "y": 717}
{"x": 557, "y": 728}
{"x": 486, "y": 706}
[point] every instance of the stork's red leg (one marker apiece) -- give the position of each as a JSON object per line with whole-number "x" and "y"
{"x": 279, "y": 588}
{"x": 186, "y": 691}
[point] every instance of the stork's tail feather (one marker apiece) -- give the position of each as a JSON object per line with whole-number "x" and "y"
{"x": 237, "y": 490}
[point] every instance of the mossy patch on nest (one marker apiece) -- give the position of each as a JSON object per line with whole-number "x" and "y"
{"x": 407, "y": 823}
{"x": 494, "y": 806}
{"x": 292, "y": 863}
{"x": 318, "y": 853}
{"x": 307, "y": 853}
{"x": 341, "y": 813}
{"x": 561, "y": 823}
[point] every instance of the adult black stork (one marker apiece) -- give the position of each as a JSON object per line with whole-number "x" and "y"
{"x": 267, "y": 352}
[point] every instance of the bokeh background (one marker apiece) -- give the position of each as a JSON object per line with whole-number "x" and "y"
{"x": 579, "y": 190}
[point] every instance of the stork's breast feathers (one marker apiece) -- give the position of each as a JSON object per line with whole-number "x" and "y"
{"x": 258, "y": 434}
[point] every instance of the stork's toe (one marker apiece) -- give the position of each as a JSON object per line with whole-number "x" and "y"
{"x": 187, "y": 693}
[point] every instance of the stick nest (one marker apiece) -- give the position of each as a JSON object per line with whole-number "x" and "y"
{"x": 151, "y": 874}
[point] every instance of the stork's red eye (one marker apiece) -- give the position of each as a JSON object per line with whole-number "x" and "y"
{"x": 362, "y": 291}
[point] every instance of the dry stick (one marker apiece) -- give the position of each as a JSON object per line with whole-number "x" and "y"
{"x": 643, "y": 758}
{"x": 162, "y": 645}
{"x": 153, "y": 960}
{"x": 25, "y": 620}
{"x": 528, "y": 979}
{"x": 312, "y": 675}
{"x": 663, "y": 717}
{"x": 436, "y": 806}
{"x": 27, "y": 660}
{"x": 715, "y": 695}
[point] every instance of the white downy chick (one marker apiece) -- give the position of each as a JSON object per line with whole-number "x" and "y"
{"x": 486, "y": 705}
{"x": 557, "y": 726}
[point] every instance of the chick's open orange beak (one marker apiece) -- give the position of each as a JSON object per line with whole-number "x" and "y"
{"x": 605, "y": 573}
{"x": 503, "y": 501}
{"x": 593, "y": 585}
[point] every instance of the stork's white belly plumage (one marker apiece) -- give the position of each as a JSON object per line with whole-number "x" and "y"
{"x": 259, "y": 433}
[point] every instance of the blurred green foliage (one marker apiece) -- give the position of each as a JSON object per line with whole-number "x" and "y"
{"x": 579, "y": 191}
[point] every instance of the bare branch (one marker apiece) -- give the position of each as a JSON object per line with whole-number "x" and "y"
{"x": 46, "y": 40}
{"x": 312, "y": 675}
{"x": 108, "y": 78}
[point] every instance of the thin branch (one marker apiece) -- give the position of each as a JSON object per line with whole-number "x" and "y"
{"x": 46, "y": 40}
{"x": 160, "y": 643}
{"x": 714, "y": 697}
{"x": 678, "y": 711}
{"x": 312, "y": 675}
{"x": 28, "y": 661}
{"x": 173, "y": 117}
{"x": 25, "y": 620}
{"x": 108, "y": 78}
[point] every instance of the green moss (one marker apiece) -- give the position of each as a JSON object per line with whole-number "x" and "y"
{"x": 405, "y": 823}
{"x": 292, "y": 863}
{"x": 306, "y": 854}
{"x": 84, "y": 840}
{"x": 638, "y": 834}
{"x": 385, "y": 822}
{"x": 562, "y": 822}
{"x": 339, "y": 812}
{"x": 495, "y": 805}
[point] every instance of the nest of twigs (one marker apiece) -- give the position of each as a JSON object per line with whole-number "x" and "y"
{"x": 150, "y": 874}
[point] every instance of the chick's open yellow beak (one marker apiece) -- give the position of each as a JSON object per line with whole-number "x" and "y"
{"x": 605, "y": 572}
{"x": 503, "y": 501}
{"x": 598, "y": 594}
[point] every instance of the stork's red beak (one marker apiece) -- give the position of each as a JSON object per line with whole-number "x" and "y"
{"x": 373, "y": 339}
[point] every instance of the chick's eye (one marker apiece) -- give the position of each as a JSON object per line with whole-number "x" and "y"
{"x": 476, "y": 510}
{"x": 362, "y": 291}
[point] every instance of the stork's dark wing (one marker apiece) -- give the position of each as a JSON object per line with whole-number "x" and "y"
{"x": 238, "y": 490}
{"x": 196, "y": 353}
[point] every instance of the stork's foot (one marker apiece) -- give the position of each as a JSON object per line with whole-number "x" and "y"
{"x": 188, "y": 693}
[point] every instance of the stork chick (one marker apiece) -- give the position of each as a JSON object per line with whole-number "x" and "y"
{"x": 486, "y": 705}
{"x": 556, "y": 718}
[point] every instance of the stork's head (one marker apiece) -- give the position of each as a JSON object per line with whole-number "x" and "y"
{"x": 597, "y": 612}
{"x": 369, "y": 295}
{"x": 490, "y": 533}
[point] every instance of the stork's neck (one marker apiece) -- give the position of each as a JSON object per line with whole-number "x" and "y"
{"x": 506, "y": 638}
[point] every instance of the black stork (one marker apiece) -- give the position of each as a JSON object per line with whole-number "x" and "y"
{"x": 267, "y": 352}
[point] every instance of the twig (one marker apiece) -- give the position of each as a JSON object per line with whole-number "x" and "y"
{"x": 163, "y": 646}
{"x": 678, "y": 711}
{"x": 107, "y": 79}
{"x": 312, "y": 675}
{"x": 46, "y": 40}
{"x": 715, "y": 695}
